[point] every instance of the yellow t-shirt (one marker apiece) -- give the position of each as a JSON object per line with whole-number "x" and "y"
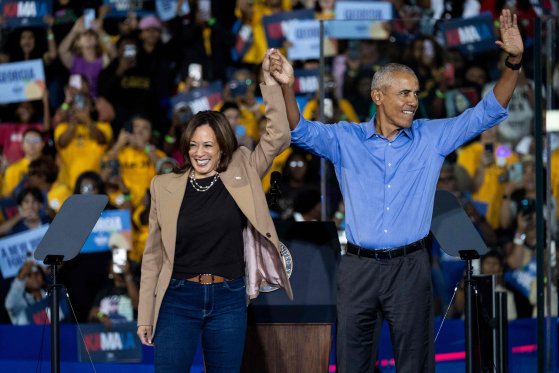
{"x": 277, "y": 165}
{"x": 13, "y": 175}
{"x": 491, "y": 191}
{"x": 137, "y": 170}
{"x": 82, "y": 153}
{"x": 57, "y": 194}
{"x": 555, "y": 177}
{"x": 345, "y": 107}
{"x": 139, "y": 237}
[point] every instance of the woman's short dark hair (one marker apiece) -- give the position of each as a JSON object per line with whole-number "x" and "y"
{"x": 34, "y": 192}
{"x": 223, "y": 132}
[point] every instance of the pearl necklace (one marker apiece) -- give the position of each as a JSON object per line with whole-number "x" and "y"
{"x": 201, "y": 188}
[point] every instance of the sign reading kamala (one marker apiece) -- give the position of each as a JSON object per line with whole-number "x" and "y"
{"x": 198, "y": 99}
{"x": 111, "y": 222}
{"x": 120, "y": 344}
{"x": 21, "y": 81}
{"x": 25, "y": 13}
{"x": 470, "y": 35}
{"x": 274, "y": 25}
{"x": 15, "y": 249}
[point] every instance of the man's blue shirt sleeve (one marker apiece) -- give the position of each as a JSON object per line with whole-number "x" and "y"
{"x": 450, "y": 133}
{"x": 318, "y": 138}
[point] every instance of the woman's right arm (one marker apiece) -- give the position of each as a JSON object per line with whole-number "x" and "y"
{"x": 65, "y": 48}
{"x": 152, "y": 261}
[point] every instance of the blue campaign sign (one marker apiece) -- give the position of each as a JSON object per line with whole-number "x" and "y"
{"x": 167, "y": 9}
{"x": 364, "y": 10}
{"x": 521, "y": 278}
{"x": 111, "y": 222}
{"x": 275, "y": 25}
{"x": 120, "y": 344}
{"x": 25, "y": 13}
{"x": 15, "y": 249}
{"x": 121, "y": 8}
{"x": 21, "y": 81}
{"x": 306, "y": 81}
{"x": 199, "y": 99}
{"x": 470, "y": 35}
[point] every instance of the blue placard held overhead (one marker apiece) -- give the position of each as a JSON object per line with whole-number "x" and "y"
{"x": 25, "y": 13}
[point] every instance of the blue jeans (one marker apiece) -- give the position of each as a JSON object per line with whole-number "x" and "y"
{"x": 217, "y": 312}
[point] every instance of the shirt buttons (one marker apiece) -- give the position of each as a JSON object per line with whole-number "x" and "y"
{"x": 386, "y": 231}
{"x": 388, "y": 208}
{"x": 388, "y": 186}
{"x": 389, "y": 164}
{"x": 389, "y": 144}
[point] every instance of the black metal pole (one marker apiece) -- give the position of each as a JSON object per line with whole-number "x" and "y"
{"x": 54, "y": 334}
{"x": 468, "y": 317}
{"x": 540, "y": 239}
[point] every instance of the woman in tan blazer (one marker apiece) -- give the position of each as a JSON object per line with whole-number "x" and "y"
{"x": 212, "y": 243}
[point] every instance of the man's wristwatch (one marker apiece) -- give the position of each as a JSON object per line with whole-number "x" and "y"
{"x": 513, "y": 66}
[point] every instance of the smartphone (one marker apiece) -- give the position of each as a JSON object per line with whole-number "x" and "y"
{"x": 88, "y": 17}
{"x": 120, "y": 255}
{"x": 238, "y": 87}
{"x": 129, "y": 51}
{"x": 79, "y": 101}
{"x": 489, "y": 147}
{"x": 195, "y": 71}
{"x": 515, "y": 172}
{"x": 328, "y": 108}
{"x": 75, "y": 81}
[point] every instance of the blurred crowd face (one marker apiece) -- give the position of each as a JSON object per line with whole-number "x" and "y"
{"x": 27, "y": 41}
{"x": 233, "y": 116}
{"x": 204, "y": 151}
{"x": 141, "y": 131}
{"x": 24, "y": 112}
{"x": 447, "y": 180}
{"x": 491, "y": 266}
{"x": 528, "y": 176}
{"x": 423, "y": 51}
{"x": 397, "y": 103}
{"x": 32, "y": 145}
{"x": 150, "y": 35}
{"x": 87, "y": 40}
{"x": 29, "y": 207}
{"x": 34, "y": 280}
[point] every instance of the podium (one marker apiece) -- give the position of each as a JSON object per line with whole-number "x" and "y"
{"x": 295, "y": 336}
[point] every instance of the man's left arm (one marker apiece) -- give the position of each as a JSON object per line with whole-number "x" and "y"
{"x": 510, "y": 43}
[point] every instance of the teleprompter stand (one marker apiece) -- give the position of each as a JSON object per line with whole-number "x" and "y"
{"x": 62, "y": 242}
{"x": 457, "y": 236}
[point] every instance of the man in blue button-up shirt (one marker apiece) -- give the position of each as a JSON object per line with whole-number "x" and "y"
{"x": 387, "y": 170}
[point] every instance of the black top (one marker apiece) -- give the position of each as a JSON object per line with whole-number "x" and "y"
{"x": 209, "y": 233}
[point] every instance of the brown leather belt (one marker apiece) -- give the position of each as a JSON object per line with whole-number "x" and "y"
{"x": 384, "y": 254}
{"x": 207, "y": 279}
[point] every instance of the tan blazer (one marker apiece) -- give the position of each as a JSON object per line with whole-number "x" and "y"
{"x": 242, "y": 179}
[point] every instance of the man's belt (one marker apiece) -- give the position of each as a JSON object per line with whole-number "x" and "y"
{"x": 388, "y": 253}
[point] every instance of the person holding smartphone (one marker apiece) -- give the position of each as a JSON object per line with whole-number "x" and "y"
{"x": 117, "y": 302}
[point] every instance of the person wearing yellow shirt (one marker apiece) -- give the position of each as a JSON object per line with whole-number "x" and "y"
{"x": 136, "y": 157}
{"x": 33, "y": 145}
{"x": 81, "y": 143}
{"x": 43, "y": 173}
{"x": 487, "y": 162}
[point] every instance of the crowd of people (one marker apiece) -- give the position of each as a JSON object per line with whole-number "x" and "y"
{"x": 106, "y": 125}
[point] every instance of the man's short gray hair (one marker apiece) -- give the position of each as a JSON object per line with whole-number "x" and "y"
{"x": 383, "y": 77}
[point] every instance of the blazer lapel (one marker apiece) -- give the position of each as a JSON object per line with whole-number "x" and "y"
{"x": 170, "y": 204}
{"x": 237, "y": 184}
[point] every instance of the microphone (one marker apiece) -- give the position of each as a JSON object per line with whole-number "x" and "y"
{"x": 275, "y": 188}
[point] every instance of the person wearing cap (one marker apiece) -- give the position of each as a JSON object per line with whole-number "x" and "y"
{"x": 211, "y": 244}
